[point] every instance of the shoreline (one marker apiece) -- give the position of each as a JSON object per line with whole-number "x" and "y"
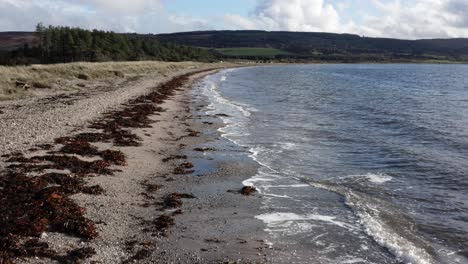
{"x": 155, "y": 209}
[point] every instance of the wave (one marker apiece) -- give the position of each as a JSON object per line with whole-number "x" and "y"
{"x": 385, "y": 224}
{"x": 376, "y": 178}
{"x": 283, "y": 220}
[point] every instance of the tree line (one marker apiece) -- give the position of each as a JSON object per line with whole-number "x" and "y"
{"x": 57, "y": 44}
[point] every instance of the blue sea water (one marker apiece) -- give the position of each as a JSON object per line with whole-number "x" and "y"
{"x": 359, "y": 163}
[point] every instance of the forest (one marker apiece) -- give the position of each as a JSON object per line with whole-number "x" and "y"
{"x": 57, "y": 44}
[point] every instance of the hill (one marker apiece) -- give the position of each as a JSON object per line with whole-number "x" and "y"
{"x": 13, "y": 40}
{"x": 253, "y": 44}
{"x": 324, "y": 45}
{"x": 64, "y": 44}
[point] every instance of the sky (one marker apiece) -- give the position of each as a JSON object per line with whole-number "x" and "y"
{"x": 406, "y": 19}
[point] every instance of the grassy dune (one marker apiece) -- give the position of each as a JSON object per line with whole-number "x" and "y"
{"x": 49, "y": 76}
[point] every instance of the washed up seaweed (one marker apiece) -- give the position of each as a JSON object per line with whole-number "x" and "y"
{"x": 33, "y": 205}
{"x": 248, "y": 190}
{"x": 163, "y": 223}
{"x": 174, "y": 200}
{"x": 184, "y": 168}
{"x": 62, "y": 162}
{"x": 204, "y": 149}
{"x": 174, "y": 157}
{"x": 42, "y": 208}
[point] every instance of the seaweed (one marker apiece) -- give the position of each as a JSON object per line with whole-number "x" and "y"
{"x": 174, "y": 157}
{"x": 184, "y": 168}
{"x": 76, "y": 255}
{"x": 193, "y": 133}
{"x": 248, "y": 190}
{"x": 63, "y": 162}
{"x": 204, "y": 149}
{"x": 79, "y": 147}
{"x": 42, "y": 208}
{"x": 163, "y": 223}
{"x": 174, "y": 200}
{"x": 116, "y": 157}
{"x": 152, "y": 187}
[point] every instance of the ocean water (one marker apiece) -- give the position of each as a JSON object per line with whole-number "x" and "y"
{"x": 358, "y": 163}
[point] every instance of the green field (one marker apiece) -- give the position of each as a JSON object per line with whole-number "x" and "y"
{"x": 253, "y": 52}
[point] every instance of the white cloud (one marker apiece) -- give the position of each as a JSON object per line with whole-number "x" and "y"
{"x": 145, "y": 16}
{"x": 390, "y": 18}
{"x": 292, "y": 15}
{"x": 420, "y": 19}
{"x": 408, "y": 19}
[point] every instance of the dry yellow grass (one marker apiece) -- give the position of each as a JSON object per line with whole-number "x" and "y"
{"x": 44, "y": 76}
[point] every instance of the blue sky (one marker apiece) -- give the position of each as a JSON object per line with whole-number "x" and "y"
{"x": 208, "y": 8}
{"x": 409, "y": 19}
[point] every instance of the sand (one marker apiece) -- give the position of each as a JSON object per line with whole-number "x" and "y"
{"x": 217, "y": 225}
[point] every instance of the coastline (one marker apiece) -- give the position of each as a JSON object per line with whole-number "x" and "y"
{"x": 157, "y": 208}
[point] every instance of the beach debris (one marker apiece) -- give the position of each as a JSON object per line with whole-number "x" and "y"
{"x": 151, "y": 187}
{"x": 45, "y": 146}
{"x": 61, "y": 162}
{"x": 204, "y": 149}
{"x": 248, "y": 190}
{"x": 163, "y": 223}
{"x": 174, "y": 157}
{"x": 184, "y": 168}
{"x": 130, "y": 245}
{"x": 142, "y": 254}
{"x": 77, "y": 255}
{"x": 174, "y": 200}
{"x": 79, "y": 147}
{"x": 116, "y": 157}
{"x": 177, "y": 212}
{"x": 214, "y": 240}
{"x": 193, "y": 133}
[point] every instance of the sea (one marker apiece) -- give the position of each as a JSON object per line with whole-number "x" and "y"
{"x": 358, "y": 163}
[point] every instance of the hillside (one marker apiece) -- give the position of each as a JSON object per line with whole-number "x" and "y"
{"x": 13, "y": 40}
{"x": 321, "y": 45}
{"x": 64, "y": 44}
{"x": 296, "y": 45}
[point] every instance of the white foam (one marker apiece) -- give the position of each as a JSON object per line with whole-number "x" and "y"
{"x": 376, "y": 178}
{"x": 288, "y": 146}
{"x": 376, "y": 227}
{"x": 277, "y": 219}
{"x": 255, "y": 153}
{"x": 379, "y": 178}
{"x": 288, "y": 186}
{"x": 369, "y": 212}
{"x": 278, "y": 196}
{"x": 353, "y": 260}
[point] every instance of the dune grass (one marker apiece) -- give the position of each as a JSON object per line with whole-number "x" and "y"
{"x": 48, "y": 76}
